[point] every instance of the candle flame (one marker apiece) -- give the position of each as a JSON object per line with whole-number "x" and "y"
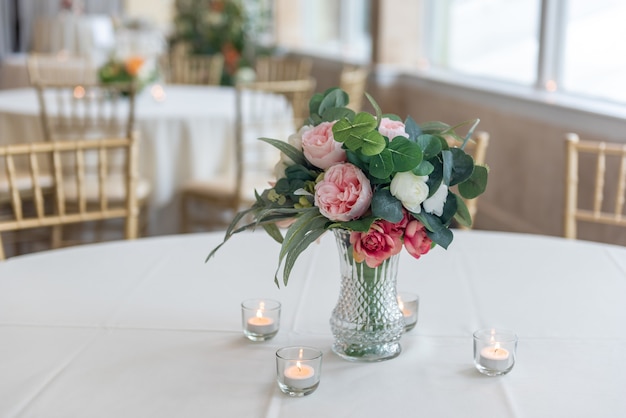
{"x": 299, "y": 366}
{"x": 400, "y": 303}
{"x": 259, "y": 312}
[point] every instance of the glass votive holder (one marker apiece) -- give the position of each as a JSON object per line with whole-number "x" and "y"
{"x": 409, "y": 305}
{"x": 260, "y": 318}
{"x": 298, "y": 370}
{"x": 494, "y": 351}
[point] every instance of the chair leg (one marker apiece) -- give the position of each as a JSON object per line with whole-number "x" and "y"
{"x": 56, "y": 237}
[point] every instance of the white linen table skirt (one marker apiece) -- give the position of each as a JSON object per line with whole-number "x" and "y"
{"x": 146, "y": 328}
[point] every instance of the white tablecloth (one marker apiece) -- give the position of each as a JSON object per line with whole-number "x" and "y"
{"x": 147, "y": 329}
{"x": 189, "y": 135}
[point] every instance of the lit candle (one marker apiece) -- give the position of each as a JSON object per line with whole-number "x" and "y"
{"x": 299, "y": 375}
{"x": 260, "y": 324}
{"x": 494, "y": 357}
{"x": 409, "y": 313}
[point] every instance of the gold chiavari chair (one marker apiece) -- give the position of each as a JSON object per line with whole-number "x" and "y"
{"x": 93, "y": 198}
{"x": 353, "y": 80}
{"x": 263, "y": 109}
{"x": 605, "y": 204}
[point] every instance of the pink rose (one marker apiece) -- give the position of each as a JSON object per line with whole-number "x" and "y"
{"x": 392, "y": 128}
{"x": 416, "y": 241}
{"x": 320, "y": 148}
{"x": 344, "y": 194}
{"x": 376, "y": 245}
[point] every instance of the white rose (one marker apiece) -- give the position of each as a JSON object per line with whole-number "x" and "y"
{"x": 434, "y": 204}
{"x": 410, "y": 189}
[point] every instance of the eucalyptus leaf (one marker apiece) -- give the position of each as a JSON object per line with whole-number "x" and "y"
{"x": 442, "y": 237}
{"x": 462, "y": 216}
{"x": 423, "y": 169}
{"x": 357, "y": 225}
{"x": 434, "y": 127}
{"x": 274, "y": 232}
{"x": 476, "y": 184}
{"x": 333, "y": 98}
{"x": 381, "y": 165}
{"x": 363, "y": 123}
{"x": 373, "y": 143}
{"x": 463, "y": 166}
{"x": 412, "y": 129}
{"x": 289, "y": 150}
{"x": 376, "y": 108}
{"x": 337, "y": 113}
{"x": 386, "y": 206}
{"x": 448, "y": 165}
{"x": 430, "y": 145}
{"x": 406, "y": 154}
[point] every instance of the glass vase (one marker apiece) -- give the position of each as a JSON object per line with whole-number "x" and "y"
{"x": 367, "y": 322}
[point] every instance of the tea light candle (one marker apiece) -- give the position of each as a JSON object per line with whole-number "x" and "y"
{"x": 299, "y": 376}
{"x": 260, "y": 318}
{"x": 260, "y": 324}
{"x": 407, "y": 302}
{"x": 495, "y": 357}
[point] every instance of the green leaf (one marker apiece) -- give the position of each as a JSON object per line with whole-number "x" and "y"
{"x": 344, "y": 129}
{"x": 442, "y": 237}
{"x": 476, "y": 184}
{"x": 376, "y": 108}
{"x": 381, "y": 165}
{"x": 434, "y": 127}
{"x": 309, "y": 221}
{"x": 430, "y": 145}
{"x": 357, "y": 225}
{"x": 435, "y": 229}
{"x": 462, "y": 214}
{"x": 315, "y": 102}
{"x": 386, "y": 206}
{"x": 463, "y": 166}
{"x": 289, "y": 150}
{"x": 448, "y": 165}
{"x": 406, "y": 154}
{"x": 373, "y": 143}
{"x": 274, "y": 232}
{"x": 337, "y": 113}
{"x": 333, "y": 97}
{"x": 423, "y": 169}
{"x": 297, "y": 171}
{"x": 314, "y": 233}
{"x": 412, "y": 129}
{"x": 449, "y": 209}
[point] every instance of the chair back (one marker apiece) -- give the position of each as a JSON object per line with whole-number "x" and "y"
{"x": 272, "y": 68}
{"x": 477, "y": 148}
{"x": 183, "y": 67}
{"x": 113, "y": 196}
{"x": 264, "y": 109}
{"x": 603, "y": 202}
{"x": 86, "y": 110}
{"x": 353, "y": 80}
{"x": 60, "y": 69}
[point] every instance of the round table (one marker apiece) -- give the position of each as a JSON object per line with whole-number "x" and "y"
{"x": 187, "y": 135}
{"x": 147, "y": 328}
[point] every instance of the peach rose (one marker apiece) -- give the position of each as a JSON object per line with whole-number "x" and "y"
{"x": 320, "y": 148}
{"x": 344, "y": 194}
{"x": 416, "y": 242}
{"x": 392, "y": 128}
{"x": 376, "y": 245}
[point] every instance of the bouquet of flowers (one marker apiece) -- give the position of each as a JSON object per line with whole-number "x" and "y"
{"x": 392, "y": 184}
{"x": 132, "y": 69}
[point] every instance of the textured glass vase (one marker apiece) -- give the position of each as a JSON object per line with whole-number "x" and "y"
{"x": 367, "y": 323}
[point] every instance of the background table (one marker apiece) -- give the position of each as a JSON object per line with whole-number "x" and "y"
{"x": 146, "y": 328}
{"x": 189, "y": 135}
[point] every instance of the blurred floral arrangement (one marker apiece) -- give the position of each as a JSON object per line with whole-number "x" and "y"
{"x": 391, "y": 183}
{"x": 211, "y": 27}
{"x": 127, "y": 70}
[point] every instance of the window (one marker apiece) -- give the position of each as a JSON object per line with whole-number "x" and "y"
{"x": 571, "y": 46}
{"x": 335, "y": 28}
{"x": 594, "y": 58}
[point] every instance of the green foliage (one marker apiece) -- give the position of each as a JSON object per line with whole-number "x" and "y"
{"x": 424, "y": 152}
